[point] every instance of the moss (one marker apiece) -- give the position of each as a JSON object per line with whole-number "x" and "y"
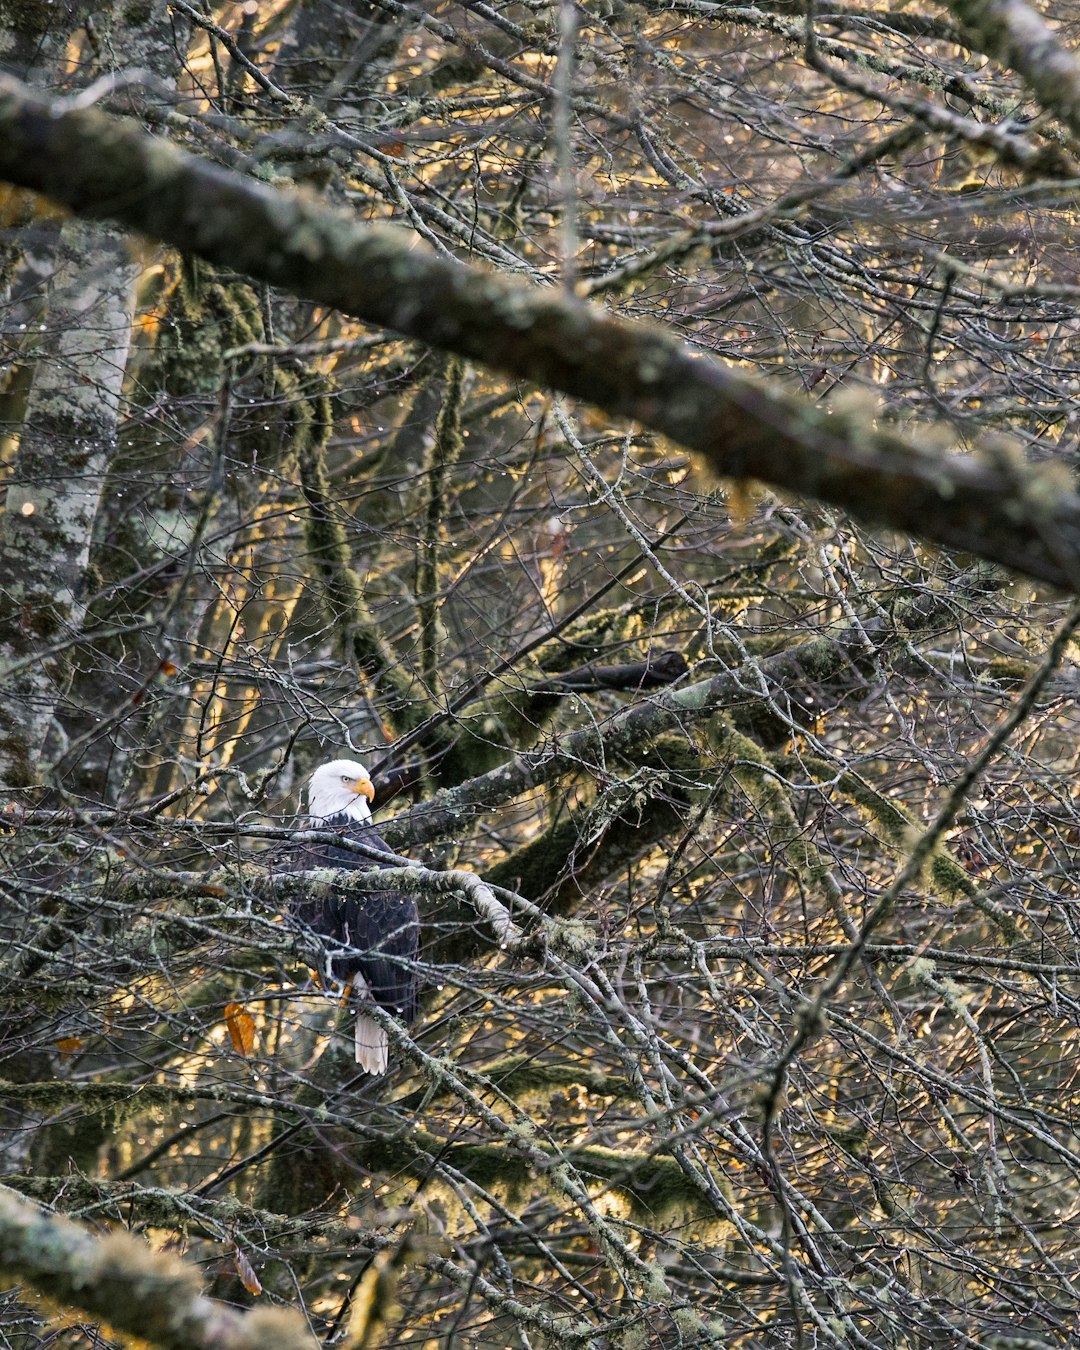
{"x": 591, "y": 637}
{"x": 137, "y": 14}
{"x": 121, "y": 1100}
{"x": 32, "y": 614}
{"x": 659, "y": 1191}
{"x": 524, "y": 1075}
{"x": 70, "y": 1143}
{"x": 556, "y": 867}
{"x": 794, "y": 850}
{"x": 1008, "y": 672}
{"x": 533, "y": 869}
{"x": 444, "y": 453}
{"x": 292, "y": 416}
{"x": 767, "y": 728}
{"x": 653, "y": 1189}
{"x": 15, "y": 750}
{"x": 205, "y": 314}
{"x": 29, "y": 18}
{"x": 159, "y": 1207}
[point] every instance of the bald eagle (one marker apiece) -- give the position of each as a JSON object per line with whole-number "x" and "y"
{"x": 374, "y": 937}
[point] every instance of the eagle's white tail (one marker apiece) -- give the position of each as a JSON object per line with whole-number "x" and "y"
{"x": 372, "y": 1045}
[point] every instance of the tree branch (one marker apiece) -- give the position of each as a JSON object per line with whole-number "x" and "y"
{"x": 135, "y": 1289}
{"x": 1003, "y": 510}
{"x": 1019, "y": 37}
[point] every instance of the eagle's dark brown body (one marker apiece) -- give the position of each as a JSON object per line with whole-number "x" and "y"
{"x": 373, "y": 935}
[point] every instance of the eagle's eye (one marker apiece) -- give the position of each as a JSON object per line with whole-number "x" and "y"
{"x": 345, "y": 778}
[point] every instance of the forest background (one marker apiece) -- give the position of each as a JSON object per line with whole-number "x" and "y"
{"x": 646, "y": 435}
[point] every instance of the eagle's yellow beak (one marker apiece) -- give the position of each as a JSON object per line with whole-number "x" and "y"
{"x": 364, "y": 788}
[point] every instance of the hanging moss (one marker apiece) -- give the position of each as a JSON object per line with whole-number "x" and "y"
{"x": 204, "y": 316}
{"x": 444, "y": 453}
{"x": 359, "y": 639}
{"x": 120, "y": 1100}
{"x": 160, "y": 1207}
{"x": 74, "y": 1142}
{"x": 76, "y": 1137}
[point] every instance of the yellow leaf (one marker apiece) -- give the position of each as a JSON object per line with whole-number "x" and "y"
{"x": 67, "y": 1045}
{"x": 241, "y": 1027}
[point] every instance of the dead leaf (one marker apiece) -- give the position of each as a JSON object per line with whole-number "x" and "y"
{"x": 241, "y": 1027}
{"x": 244, "y": 1268}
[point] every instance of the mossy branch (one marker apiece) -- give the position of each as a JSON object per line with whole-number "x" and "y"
{"x": 135, "y": 1290}
{"x": 559, "y": 865}
{"x": 359, "y": 640}
{"x": 160, "y": 1207}
{"x": 822, "y": 660}
{"x": 1019, "y": 37}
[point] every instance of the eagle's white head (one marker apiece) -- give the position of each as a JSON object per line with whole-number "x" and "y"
{"x": 342, "y": 787}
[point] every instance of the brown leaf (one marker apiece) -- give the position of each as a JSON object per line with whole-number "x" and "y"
{"x": 815, "y": 376}
{"x": 246, "y": 1270}
{"x": 241, "y": 1027}
{"x": 67, "y": 1045}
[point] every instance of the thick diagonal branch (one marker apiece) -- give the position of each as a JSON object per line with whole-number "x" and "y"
{"x": 743, "y": 427}
{"x": 152, "y": 1295}
{"x": 1020, "y": 37}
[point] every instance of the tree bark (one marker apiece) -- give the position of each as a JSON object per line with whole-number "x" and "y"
{"x": 67, "y": 442}
{"x": 69, "y": 431}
